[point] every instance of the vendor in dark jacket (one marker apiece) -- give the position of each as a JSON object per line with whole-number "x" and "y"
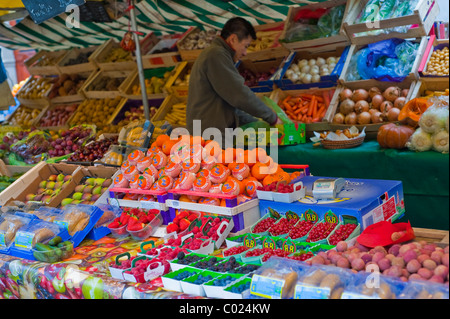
{"x": 217, "y": 93}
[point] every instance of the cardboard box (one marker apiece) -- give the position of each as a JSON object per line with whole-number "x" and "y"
{"x": 29, "y": 183}
{"x": 366, "y": 200}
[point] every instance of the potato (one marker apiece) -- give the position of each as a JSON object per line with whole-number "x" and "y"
{"x": 384, "y": 264}
{"x": 409, "y": 255}
{"x": 358, "y": 264}
{"x": 413, "y": 266}
{"x": 341, "y": 246}
{"x": 441, "y": 271}
{"x": 425, "y": 273}
{"x": 429, "y": 264}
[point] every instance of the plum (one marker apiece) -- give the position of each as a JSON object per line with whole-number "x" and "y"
{"x": 409, "y": 255}
{"x": 394, "y": 250}
{"x": 398, "y": 261}
{"x": 441, "y": 271}
{"x": 377, "y": 256}
{"x": 421, "y": 258}
{"x": 425, "y": 273}
{"x": 343, "y": 263}
{"x": 366, "y": 257}
{"x": 341, "y": 246}
{"x": 358, "y": 264}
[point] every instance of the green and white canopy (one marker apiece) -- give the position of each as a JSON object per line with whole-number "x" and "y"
{"x": 158, "y": 16}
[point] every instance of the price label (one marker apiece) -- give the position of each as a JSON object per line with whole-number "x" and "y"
{"x": 266, "y": 287}
{"x": 331, "y": 217}
{"x": 292, "y": 216}
{"x": 274, "y": 213}
{"x": 289, "y": 246}
{"x": 249, "y": 241}
{"x": 311, "y": 216}
{"x": 269, "y": 243}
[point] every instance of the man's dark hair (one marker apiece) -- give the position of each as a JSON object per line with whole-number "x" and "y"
{"x": 239, "y": 26}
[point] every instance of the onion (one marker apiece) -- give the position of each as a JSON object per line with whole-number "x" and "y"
{"x": 347, "y": 106}
{"x": 400, "y": 102}
{"x": 405, "y": 92}
{"x": 374, "y": 91}
{"x": 362, "y": 106}
{"x": 392, "y": 93}
{"x": 360, "y": 94}
{"x": 345, "y": 94}
{"x": 339, "y": 118}
{"x": 371, "y": 111}
{"x": 392, "y": 114}
{"x": 377, "y": 117}
{"x": 364, "y": 118}
{"x": 386, "y": 106}
{"x": 351, "y": 118}
{"x": 377, "y": 100}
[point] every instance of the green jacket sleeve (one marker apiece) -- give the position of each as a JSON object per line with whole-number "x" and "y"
{"x": 229, "y": 84}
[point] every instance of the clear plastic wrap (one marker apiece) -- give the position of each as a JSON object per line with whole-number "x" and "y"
{"x": 9, "y": 226}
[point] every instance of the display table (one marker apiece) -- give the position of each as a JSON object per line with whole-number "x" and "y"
{"x": 425, "y": 175}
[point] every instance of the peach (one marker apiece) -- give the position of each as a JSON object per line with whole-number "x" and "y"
{"x": 444, "y": 259}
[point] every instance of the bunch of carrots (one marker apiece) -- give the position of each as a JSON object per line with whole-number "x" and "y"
{"x": 307, "y": 107}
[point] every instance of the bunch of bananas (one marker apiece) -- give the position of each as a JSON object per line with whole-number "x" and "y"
{"x": 177, "y": 116}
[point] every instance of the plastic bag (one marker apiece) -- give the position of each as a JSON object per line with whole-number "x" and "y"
{"x": 302, "y": 32}
{"x": 387, "y": 60}
{"x": 330, "y": 23}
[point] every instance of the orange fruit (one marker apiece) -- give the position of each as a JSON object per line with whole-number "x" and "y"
{"x": 257, "y": 172}
{"x": 250, "y": 158}
{"x": 269, "y": 179}
{"x": 212, "y": 148}
{"x": 261, "y": 154}
{"x": 295, "y": 175}
{"x": 283, "y": 176}
{"x": 270, "y": 163}
{"x": 197, "y": 140}
{"x": 223, "y": 203}
{"x": 228, "y": 156}
{"x": 161, "y": 139}
{"x": 167, "y": 146}
{"x": 154, "y": 145}
{"x": 185, "y": 198}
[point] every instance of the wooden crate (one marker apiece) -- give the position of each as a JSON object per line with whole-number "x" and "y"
{"x": 40, "y": 102}
{"x": 182, "y": 69}
{"x": 51, "y": 107}
{"x": 79, "y": 96}
{"x": 111, "y": 117}
{"x": 426, "y": 84}
{"x": 166, "y": 107}
{"x": 320, "y": 44}
{"x": 35, "y": 67}
{"x": 99, "y": 56}
{"x": 94, "y": 79}
{"x": 87, "y": 66}
{"x": 340, "y": 52}
{"x": 279, "y": 95}
{"x": 413, "y": 75}
{"x": 441, "y": 237}
{"x": 262, "y": 66}
{"x": 126, "y": 88}
{"x": 275, "y": 52}
{"x": 424, "y": 15}
{"x": 156, "y": 60}
{"x": 39, "y": 109}
{"x": 370, "y": 129}
{"x": 188, "y": 55}
{"x": 432, "y": 46}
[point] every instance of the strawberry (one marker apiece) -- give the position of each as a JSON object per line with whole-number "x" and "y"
{"x": 183, "y": 214}
{"x": 114, "y": 224}
{"x": 192, "y": 217}
{"x": 172, "y": 228}
{"x": 184, "y": 224}
{"x": 136, "y": 227}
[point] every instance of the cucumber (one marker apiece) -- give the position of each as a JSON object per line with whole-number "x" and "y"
{"x": 42, "y": 247}
{"x": 55, "y": 241}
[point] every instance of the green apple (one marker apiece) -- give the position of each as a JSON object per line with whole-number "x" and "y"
{"x": 92, "y": 288}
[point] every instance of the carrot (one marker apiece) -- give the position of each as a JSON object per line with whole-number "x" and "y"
{"x": 287, "y": 99}
{"x": 319, "y": 98}
{"x": 314, "y": 112}
{"x": 315, "y": 119}
{"x": 306, "y": 96}
{"x": 326, "y": 97}
{"x": 288, "y": 107}
{"x": 321, "y": 111}
{"x": 311, "y": 105}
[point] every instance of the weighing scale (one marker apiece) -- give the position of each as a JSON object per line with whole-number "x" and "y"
{"x": 327, "y": 188}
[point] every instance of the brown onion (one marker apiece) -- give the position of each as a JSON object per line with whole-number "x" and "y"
{"x": 364, "y": 118}
{"x": 405, "y": 92}
{"x": 377, "y": 100}
{"x": 391, "y": 93}
{"x": 386, "y": 106}
{"x": 377, "y": 117}
{"x": 347, "y": 106}
{"x": 360, "y": 94}
{"x": 374, "y": 91}
{"x": 392, "y": 114}
{"x": 345, "y": 94}
{"x": 371, "y": 111}
{"x": 400, "y": 102}
{"x": 362, "y": 106}
{"x": 351, "y": 118}
{"x": 339, "y": 118}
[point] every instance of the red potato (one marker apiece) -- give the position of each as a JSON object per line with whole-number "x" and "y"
{"x": 425, "y": 273}
{"x": 410, "y": 254}
{"x": 429, "y": 264}
{"x": 343, "y": 263}
{"x": 441, "y": 271}
{"x": 413, "y": 266}
{"x": 384, "y": 264}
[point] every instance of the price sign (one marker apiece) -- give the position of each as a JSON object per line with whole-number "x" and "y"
{"x": 311, "y": 216}
{"x": 289, "y": 246}
{"x": 290, "y": 215}
{"x": 249, "y": 241}
{"x": 274, "y": 213}
{"x": 269, "y": 243}
{"x": 331, "y": 217}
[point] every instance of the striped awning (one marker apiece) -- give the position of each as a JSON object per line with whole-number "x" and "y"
{"x": 158, "y": 16}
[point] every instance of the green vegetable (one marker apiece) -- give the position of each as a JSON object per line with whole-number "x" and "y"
{"x": 55, "y": 241}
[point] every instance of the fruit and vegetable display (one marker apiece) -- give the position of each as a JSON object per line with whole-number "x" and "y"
{"x": 370, "y": 106}
{"x": 95, "y": 111}
{"x": 49, "y": 188}
{"x": 117, "y": 55}
{"x": 153, "y": 85}
{"x": 307, "y": 71}
{"x": 438, "y": 63}
{"x": 88, "y": 191}
{"x": 105, "y": 83}
{"x": 309, "y": 24}
{"x": 66, "y": 84}
{"x": 24, "y": 116}
{"x": 57, "y": 115}
{"x": 265, "y": 39}
{"x": 252, "y": 79}
{"x": 198, "y": 40}
{"x": 82, "y": 57}
{"x": 36, "y": 88}
{"x": 307, "y": 107}
{"x": 93, "y": 150}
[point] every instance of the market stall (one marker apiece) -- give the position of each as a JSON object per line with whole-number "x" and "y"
{"x": 99, "y": 200}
